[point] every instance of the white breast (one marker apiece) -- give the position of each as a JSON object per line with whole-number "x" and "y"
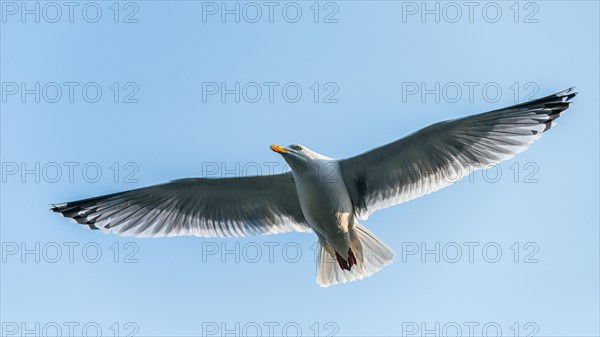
{"x": 324, "y": 198}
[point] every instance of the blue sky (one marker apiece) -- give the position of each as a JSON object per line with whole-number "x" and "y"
{"x": 365, "y": 73}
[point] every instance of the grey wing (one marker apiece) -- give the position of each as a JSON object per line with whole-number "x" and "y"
{"x": 196, "y": 207}
{"x": 442, "y": 153}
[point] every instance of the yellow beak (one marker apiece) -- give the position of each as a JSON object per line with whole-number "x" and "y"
{"x": 278, "y": 148}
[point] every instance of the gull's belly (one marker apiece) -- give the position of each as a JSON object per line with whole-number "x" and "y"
{"x": 326, "y": 205}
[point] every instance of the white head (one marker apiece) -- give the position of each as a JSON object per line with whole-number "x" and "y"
{"x": 298, "y": 156}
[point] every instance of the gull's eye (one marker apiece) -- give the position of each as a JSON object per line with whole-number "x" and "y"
{"x": 298, "y": 148}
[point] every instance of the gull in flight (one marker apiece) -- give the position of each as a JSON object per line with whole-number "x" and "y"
{"x": 324, "y": 195}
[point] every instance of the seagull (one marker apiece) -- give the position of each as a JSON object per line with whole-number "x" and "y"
{"x": 324, "y": 195}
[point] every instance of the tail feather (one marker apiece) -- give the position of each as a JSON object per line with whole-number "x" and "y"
{"x": 373, "y": 256}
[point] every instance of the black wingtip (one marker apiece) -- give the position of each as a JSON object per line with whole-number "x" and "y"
{"x": 91, "y": 225}
{"x": 55, "y": 208}
{"x": 62, "y": 209}
{"x": 567, "y": 94}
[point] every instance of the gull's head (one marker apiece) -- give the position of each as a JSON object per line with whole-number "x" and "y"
{"x": 297, "y": 155}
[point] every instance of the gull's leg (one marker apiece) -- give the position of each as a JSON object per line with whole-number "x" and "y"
{"x": 343, "y": 263}
{"x": 346, "y": 264}
{"x": 351, "y": 258}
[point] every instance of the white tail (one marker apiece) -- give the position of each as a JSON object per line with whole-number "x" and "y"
{"x": 375, "y": 255}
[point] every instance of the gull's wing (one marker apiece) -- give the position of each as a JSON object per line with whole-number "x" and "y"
{"x": 196, "y": 206}
{"x": 442, "y": 153}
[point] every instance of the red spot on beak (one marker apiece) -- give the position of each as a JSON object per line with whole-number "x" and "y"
{"x": 278, "y": 149}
